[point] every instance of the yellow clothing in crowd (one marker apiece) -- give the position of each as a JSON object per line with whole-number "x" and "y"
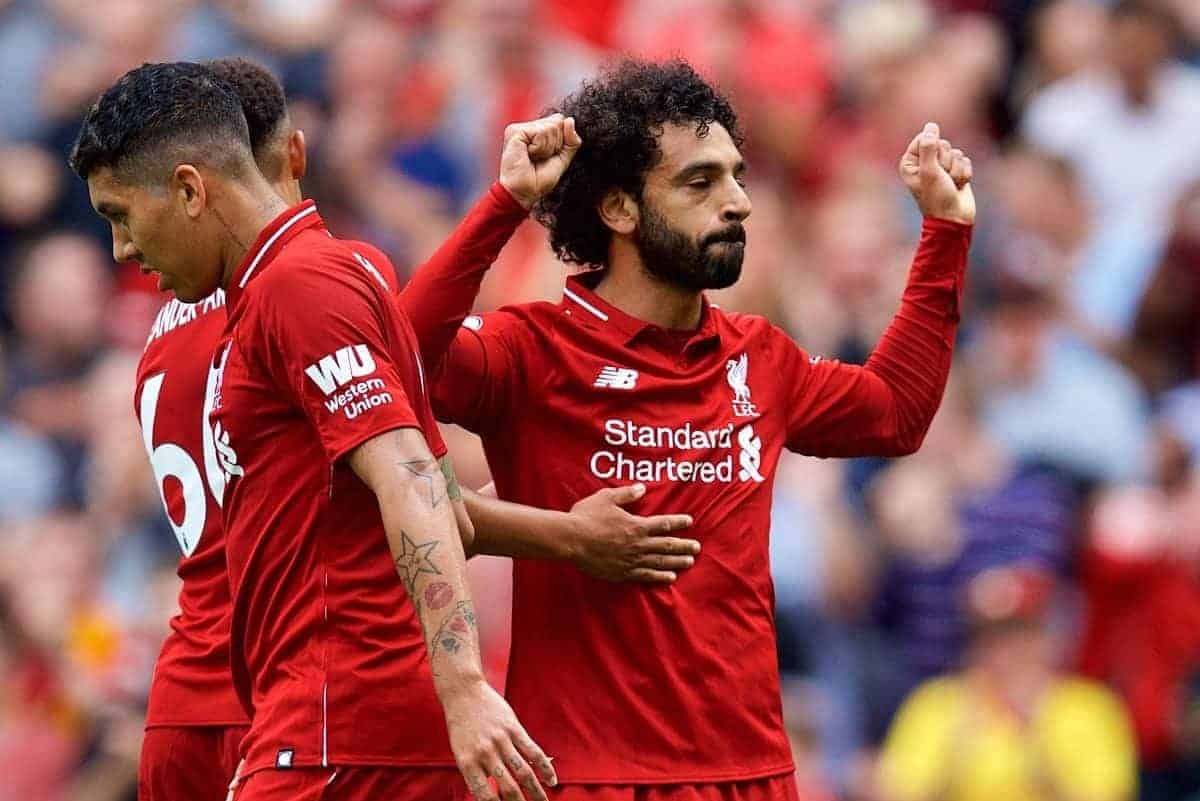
{"x": 950, "y": 743}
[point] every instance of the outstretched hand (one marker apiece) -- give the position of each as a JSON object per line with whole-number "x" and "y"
{"x": 939, "y": 177}
{"x": 535, "y": 156}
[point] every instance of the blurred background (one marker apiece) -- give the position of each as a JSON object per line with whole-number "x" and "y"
{"x": 1013, "y": 613}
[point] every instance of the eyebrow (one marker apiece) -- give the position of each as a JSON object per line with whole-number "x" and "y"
{"x": 698, "y": 167}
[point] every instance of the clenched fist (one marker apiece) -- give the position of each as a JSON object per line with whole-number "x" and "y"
{"x": 939, "y": 177}
{"x": 535, "y": 156}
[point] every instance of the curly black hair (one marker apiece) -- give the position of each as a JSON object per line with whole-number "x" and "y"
{"x": 179, "y": 110}
{"x": 620, "y": 117}
{"x": 262, "y": 96}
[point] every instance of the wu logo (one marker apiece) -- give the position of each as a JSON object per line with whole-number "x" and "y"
{"x": 340, "y": 367}
{"x": 616, "y": 378}
{"x": 736, "y": 371}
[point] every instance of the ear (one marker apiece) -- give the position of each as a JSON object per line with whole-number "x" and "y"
{"x": 187, "y": 185}
{"x": 297, "y": 154}
{"x": 619, "y": 211}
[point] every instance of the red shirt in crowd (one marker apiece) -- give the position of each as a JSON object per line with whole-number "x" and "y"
{"x": 316, "y": 359}
{"x": 626, "y": 683}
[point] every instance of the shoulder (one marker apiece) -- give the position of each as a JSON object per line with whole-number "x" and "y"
{"x": 936, "y": 695}
{"x": 175, "y": 318}
{"x": 314, "y": 271}
{"x": 757, "y": 331}
{"x": 515, "y": 321}
{"x": 1076, "y": 695}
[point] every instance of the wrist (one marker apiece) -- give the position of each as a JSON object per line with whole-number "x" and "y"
{"x": 458, "y": 681}
{"x": 515, "y": 198}
{"x": 566, "y": 546}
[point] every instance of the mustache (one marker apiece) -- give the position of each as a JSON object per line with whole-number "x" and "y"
{"x": 734, "y": 233}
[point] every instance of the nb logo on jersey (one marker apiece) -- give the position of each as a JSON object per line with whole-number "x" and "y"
{"x": 616, "y": 378}
{"x": 341, "y": 367}
{"x": 750, "y": 458}
{"x": 736, "y": 373}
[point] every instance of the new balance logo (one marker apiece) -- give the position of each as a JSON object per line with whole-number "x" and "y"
{"x": 339, "y": 368}
{"x": 616, "y": 378}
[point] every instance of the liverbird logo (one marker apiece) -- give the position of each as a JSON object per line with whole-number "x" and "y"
{"x": 735, "y": 373}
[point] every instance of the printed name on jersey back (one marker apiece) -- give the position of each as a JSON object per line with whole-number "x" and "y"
{"x": 175, "y": 313}
{"x": 334, "y": 371}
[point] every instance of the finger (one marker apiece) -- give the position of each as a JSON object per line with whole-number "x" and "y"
{"x": 944, "y": 157}
{"x": 536, "y": 757}
{"x": 645, "y": 575}
{"x": 571, "y": 138}
{"x": 521, "y": 771}
{"x": 623, "y": 495}
{"x": 666, "y": 562}
{"x": 959, "y": 168}
{"x": 927, "y": 148}
{"x": 509, "y": 789}
{"x": 477, "y": 783}
{"x": 670, "y": 545}
{"x": 665, "y": 524}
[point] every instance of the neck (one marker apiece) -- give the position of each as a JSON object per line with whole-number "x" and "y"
{"x": 630, "y": 287}
{"x": 244, "y": 210}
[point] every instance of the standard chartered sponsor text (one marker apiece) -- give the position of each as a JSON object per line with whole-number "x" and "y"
{"x": 616, "y": 464}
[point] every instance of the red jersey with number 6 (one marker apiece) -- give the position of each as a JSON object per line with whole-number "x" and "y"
{"x": 192, "y": 684}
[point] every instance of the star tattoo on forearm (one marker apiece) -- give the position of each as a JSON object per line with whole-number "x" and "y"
{"x": 413, "y": 560}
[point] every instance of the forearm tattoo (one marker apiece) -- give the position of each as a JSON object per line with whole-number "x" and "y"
{"x": 414, "y": 559}
{"x": 425, "y": 470}
{"x": 453, "y": 491}
{"x": 457, "y": 630}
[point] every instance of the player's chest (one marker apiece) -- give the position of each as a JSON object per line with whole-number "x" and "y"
{"x": 704, "y": 419}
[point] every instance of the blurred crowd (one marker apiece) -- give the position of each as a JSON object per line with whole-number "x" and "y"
{"x": 1012, "y": 613}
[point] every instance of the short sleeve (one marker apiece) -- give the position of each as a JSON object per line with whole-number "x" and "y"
{"x": 331, "y": 343}
{"x": 475, "y": 384}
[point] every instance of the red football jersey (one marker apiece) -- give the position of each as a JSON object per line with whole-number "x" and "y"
{"x": 316, "y": 359}
{"x": 627, "y": 683}
{"x": 192, "y": 684}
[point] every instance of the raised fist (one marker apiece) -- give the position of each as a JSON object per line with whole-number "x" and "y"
{"x": 939, "y": 177}
{"x": 535, "y": 156}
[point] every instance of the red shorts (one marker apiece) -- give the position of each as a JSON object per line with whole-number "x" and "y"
{"x": 188, "y": 763}
{"x": 774, "y": 788}
{"x": 352, "y": 784}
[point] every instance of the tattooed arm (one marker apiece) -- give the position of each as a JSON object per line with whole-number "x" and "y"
{"x": 487, "y": 738}
{"x": 466, "y": 528}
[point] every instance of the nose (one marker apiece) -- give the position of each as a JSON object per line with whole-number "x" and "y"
{"x": 123, "y": 249}
{"x": 737, "y": 206}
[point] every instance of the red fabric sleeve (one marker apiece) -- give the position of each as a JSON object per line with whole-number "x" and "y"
{"x": 885, "y": 407}
{"x": 443, "y": 290}
{"x": 330, "y": 344}
{"x": 475, "y": 386}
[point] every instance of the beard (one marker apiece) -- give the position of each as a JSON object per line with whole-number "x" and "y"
{"x": 714, "y": 262}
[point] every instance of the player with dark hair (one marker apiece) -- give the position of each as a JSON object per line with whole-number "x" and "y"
{"x": 194, "y": 720}
{"x": 329, "y": 655}
{"x": 634, "y": 376}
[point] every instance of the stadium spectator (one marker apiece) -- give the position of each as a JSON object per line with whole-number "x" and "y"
{"x": 1011, "y": 725}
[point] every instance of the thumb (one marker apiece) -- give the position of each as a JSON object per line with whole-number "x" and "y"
{"x": 927, "y": 148}
{"x": 625, "y": 495}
